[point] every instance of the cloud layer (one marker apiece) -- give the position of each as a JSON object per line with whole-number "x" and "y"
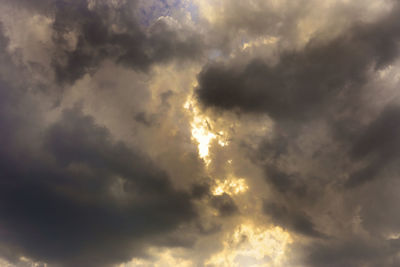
{"x": 199, "y": 133}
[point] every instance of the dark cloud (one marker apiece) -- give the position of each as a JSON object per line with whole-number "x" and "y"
{"x": 285, "y": 182}
{"x": 322, "y": 141}
{"x": 200, "y": 190}
{"x": 342, "y": 192}
{"x": 70, "y": 195}
{"x": 144, "y": 119}
{"x": 307, "y": 82}
{"x": 354, "y": 252}
{"x": 326, "y": 142}
{"x": 88, "y": 201}
{"x": 84, "y": 34}
{"x": 380, "y": 143}
{"x": 224, "y": 204}
{"x": 131, "y": 45}
{"x": 294, "y": 220}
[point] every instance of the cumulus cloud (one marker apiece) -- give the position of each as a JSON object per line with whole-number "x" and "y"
{"x": 329, "y": 139}
{"x": 199, "y": 133}
{"x": 84, "y": 200}
{"x": 73, "y": 196}
{"x": 303, "y": 82}
{"x": 85, "y": 33}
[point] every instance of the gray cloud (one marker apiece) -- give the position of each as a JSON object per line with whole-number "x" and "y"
{"x": 71, "y": 195}
{"x": 310, "y": 122}
{"x": 295, "y": 221}
{"x": 380, "y": 140}
{"x": 303, "y": 82}
{"x": 131, "y": 45}
{"x": 224, "y": 204}
{"x": 86, "y": 33}
{"x": 88, "y": 201}
{"x": 330, "y": 148}
{"x": 354, "y": 252}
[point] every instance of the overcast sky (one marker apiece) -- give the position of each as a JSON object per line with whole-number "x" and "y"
{"x": 215, "y": 133}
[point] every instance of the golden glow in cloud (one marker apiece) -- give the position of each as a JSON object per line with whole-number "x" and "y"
{"x": 203, "y": 134}
{"x": 160, "y": 258}
{"x": 230, "y": 186}
{"x": 202, "y": 131}
{"x": 249, "y": 246}
{"x": 203, "y": 137}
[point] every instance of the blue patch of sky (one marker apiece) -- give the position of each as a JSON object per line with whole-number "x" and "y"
{"x": 159, "y": 8}
{"x": 193, "y": 9}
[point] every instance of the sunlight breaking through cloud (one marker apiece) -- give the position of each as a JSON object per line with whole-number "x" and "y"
{"x": 249, "y": 245}
{"x": 230, "y": 186}
{"x": 202, "y": 132}
{"x": 212, "y": 133}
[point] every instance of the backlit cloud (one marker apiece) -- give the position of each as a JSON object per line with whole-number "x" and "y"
{"x": 199, "y": 133}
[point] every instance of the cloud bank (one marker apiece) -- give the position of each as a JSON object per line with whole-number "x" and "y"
{"x": 199, "y": 133}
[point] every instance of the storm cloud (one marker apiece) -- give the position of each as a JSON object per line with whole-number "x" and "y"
{"x": 307, "y": 81}
{"x": 326, "y": 142}
{"x": 199, "y": 133}
{"x": 90, "y": 201}
{"x": 86, "y": 33}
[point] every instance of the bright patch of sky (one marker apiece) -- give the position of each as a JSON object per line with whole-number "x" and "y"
{"x": 149, "y": 11}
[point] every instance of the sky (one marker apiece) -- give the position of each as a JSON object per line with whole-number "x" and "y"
{"x": 206, "y": 133}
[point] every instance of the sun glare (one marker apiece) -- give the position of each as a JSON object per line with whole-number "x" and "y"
{"x": 203, "y": 137}
{"x": 202, "y": 132}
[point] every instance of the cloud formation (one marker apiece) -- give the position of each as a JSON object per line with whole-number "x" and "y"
{"x": 303, "y": 82}
{"x": 199, "y": 133}
{"x": 83, "y": 200}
